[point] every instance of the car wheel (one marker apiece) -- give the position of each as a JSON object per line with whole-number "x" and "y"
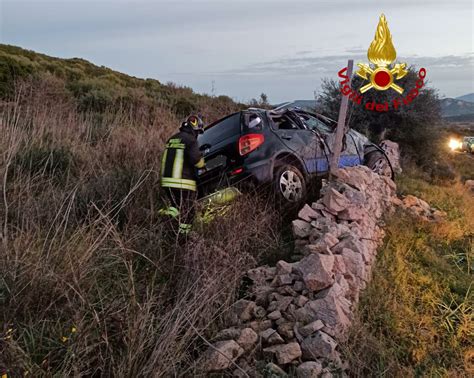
{"x": 290, "y": 184}
{"x": 378, "y": 163}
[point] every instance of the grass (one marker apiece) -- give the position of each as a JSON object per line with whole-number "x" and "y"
{"x": 416, "y": 316}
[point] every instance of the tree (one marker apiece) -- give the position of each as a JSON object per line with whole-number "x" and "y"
{"x": 411, "y": 125}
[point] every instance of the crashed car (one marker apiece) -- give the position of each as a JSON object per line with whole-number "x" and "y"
{"x": 284, "y": 147}
{"x": 467, "y": 144}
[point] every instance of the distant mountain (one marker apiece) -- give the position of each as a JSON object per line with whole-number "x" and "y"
{"x": 454, "y": 107}
{"x": 467, "y": 97}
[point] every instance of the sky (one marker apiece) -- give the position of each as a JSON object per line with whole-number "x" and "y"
{"x": 242, "y": 48}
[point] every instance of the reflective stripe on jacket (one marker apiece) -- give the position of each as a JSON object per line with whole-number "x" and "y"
{"x": 180, "y": 160}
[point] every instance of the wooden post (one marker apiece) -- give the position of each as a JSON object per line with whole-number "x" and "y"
{"x": 341, "y": 122}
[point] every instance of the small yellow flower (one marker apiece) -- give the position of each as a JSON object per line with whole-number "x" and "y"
{"x": 64, "y": 339}
{"x": 73, "y": 330}
{"x": 4, "y": 375}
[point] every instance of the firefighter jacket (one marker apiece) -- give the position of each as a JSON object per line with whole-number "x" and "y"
{"x": 180, "y": 160}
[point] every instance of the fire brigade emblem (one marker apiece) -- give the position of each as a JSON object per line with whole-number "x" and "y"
{"x": 382, "y": 54}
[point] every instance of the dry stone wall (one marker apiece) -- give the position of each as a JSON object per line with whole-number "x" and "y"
{"x": 298, "y": 312}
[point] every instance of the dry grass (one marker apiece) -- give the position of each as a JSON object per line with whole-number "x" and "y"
{"x": 88, "y": 284}
{"x": 416, "y": 316}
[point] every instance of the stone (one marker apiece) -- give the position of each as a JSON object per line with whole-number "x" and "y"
{"x": 222, "y": 355}
{"x": 318, "y": 344}
{"x": 247, "y": 339}
{"x": 307, "y": 213}
{"x": 244, "y": 309}
{"x": 301, "y": 300}
{"x": 286, "y": 330}
{"x": 261, "y": 294}
{"x": 259, "y": 312}
{"x": 309, "y": 369}
{"x": 339, "y": 264}
{"x": 282, "y": 279}
{"x": 259, "y": 326}
{"x": 282, "y": 267}
{"x": 271, "y": 337}
{"x": 410, "y": 201}
{"x": 274, "y": 315}
{"x": 262, "y": 273}
{"x": 354, "y": 262}
{"x": 301, "y": 228}
{"x": 334, "y": 201}
{"x": 311, "y": 328}
{"x": 274, "y": 370}
{"x": 279, "y": 302}
{"x": 392, "y": 150}
{"x": 352, "y": 213}
{"x": 284, "y": 353}
{"x": 322, "y": 244}
{"x": 298, "y": 286}
{"x": 228, "y": 334}
{"x": 287, "y": 290}
{"x": 316, "y": 271}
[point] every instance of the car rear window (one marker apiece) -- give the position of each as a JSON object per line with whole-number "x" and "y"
{"x": 222, "y": 130}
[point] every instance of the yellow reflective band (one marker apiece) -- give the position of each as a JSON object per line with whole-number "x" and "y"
{"x": 178, "y": 164}
{"x": 178, "y": 183}
{"x": 200, "y": 163}
{"x": 163, "y": 161}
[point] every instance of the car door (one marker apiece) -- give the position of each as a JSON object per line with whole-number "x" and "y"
{"x": 302, "y": 141}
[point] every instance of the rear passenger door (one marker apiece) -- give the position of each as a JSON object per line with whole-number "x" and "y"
{"x": 302, "y": 141}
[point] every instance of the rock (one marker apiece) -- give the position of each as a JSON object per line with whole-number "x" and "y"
{"x": 244, "y": 309}
{"x": 301, "y": 228}
{"x": 334, "y": 201}
{"x": 301, "y": 301}
{"x": 259, "y": 312}
{"x": 271, "y": 337}
{"x": 261, "y": 294}
{"x": 322, "y": 244}
{"x": 274, "y": 315}
{"x": 311, "y": 328}
{"x": 309, "y": 369}
{"x": 287, "y": 290}
{"x": 410, "y": 201}
{"x": 222, "y": 355}
{"x": 286, "y": 330}
{"x": 247, "y": 339}
{"x": 261, "y": 274}
{"x": 228, "y": 334}
{"x": 274, "y": 370}
{"x": 280, "y": 302}
{"x": 352, "y": 213}
{"x": 282, "y": 279}
{"x": 282, "y": 267}
{"x": 284, "y": 353}
{"x": 259, "y": 326}
{"x": 317, "y": 345}
{"x": 392, "y": 151}
{"x": 354, "y": 262}
{"x": 298, "y": 286}
{"x": 307, "y": 213}
{"x": 316, "y": 271}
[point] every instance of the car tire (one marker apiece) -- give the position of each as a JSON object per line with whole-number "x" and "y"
{"x": 289, "y": 184}
{"x": 378, "y": 163}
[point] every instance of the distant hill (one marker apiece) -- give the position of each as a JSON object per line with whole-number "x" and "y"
{"x": 454, "y": 107}
{"x": 99, "y": 88}
{"x": 467, "y": 97}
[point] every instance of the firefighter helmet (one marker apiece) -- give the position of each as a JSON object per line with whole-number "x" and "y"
{"x": 195, "y": 122}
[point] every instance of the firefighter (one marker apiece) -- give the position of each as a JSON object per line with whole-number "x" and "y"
{"x": 179, "y": 166}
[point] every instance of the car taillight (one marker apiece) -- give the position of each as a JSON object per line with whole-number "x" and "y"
{"x": 250, "y": 142}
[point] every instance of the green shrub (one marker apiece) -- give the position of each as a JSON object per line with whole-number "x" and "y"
{"x": 50, "y": 161}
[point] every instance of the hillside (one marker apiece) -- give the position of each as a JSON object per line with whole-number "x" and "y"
{"x": 97, "y": 88}
{"x": 451, "y": 107}
{"x": 467, "y": 97}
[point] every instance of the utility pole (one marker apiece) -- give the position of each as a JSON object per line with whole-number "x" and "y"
{"x": 341, "y": 121}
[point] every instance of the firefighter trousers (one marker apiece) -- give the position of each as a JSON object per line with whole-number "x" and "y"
{"x": 184, "y": 201}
